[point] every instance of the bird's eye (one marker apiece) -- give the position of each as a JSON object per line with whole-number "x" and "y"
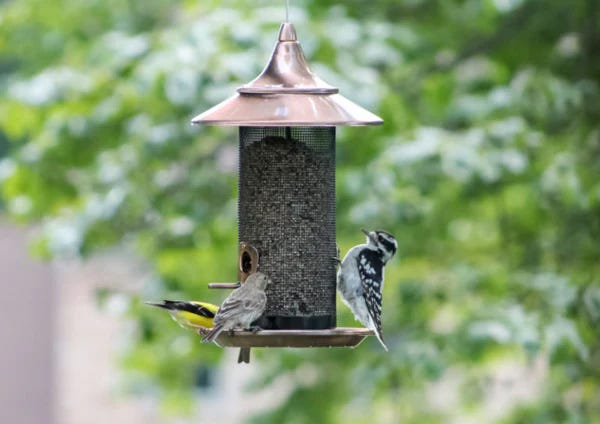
{"x": 380, "y": 238}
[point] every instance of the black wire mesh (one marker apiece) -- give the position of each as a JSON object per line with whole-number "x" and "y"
{"x": 286, "y": 209}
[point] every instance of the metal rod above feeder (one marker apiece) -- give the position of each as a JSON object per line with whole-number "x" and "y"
{"x": 286, "y": 208}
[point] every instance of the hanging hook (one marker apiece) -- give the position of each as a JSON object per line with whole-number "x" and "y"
{"x": 287, "y": 11}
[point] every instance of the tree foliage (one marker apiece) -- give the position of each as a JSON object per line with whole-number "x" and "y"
{"x": 487, "y": 170}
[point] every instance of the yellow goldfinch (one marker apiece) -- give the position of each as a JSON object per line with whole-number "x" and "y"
{"x": 195, "y": 315}
{"x": 189, "y": 314}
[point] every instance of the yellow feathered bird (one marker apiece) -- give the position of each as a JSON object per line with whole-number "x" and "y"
{"x": 195, "y": 315}
{"x": 189, "y": 314}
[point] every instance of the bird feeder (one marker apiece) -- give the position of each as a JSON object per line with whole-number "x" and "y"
{"x": 287, "y": 118}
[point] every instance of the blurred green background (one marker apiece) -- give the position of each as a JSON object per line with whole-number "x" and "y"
{"x": 487, "y": 170}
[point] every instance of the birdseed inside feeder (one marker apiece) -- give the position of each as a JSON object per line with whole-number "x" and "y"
{"x": 286, "y": 207}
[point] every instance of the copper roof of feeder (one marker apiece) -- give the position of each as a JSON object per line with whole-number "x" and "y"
{"x": 287, "y": 93}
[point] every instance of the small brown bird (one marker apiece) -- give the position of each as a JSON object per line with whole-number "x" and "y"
{"x": 240, "y": 309}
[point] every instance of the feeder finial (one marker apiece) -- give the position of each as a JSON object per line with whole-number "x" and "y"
{"x": 287, "y": 32}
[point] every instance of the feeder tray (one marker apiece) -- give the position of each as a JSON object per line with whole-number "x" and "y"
{"x": 335, "y": 337}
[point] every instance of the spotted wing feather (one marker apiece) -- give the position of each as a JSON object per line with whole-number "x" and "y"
{"x": 370, "y": 270}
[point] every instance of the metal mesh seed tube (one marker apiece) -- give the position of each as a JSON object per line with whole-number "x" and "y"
{"x": 286, "y": 209}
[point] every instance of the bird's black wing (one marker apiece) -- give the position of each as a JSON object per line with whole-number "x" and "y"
{"x": 193, "y": 307}
{"x": 198, "y": 309}
{"x": 370, "y": 270}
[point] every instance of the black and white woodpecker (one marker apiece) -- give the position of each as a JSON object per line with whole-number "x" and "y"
{"x": 360, "y": 278}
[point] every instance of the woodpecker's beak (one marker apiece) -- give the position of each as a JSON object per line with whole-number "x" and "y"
{"x": 370, "y": 235}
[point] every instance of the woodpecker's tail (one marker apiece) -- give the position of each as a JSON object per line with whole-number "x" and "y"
{"x": 213, "y": 334}
{"x": 380, "y": 338}
{"x": 244, "y": 355}
{"x": 378, "y": 332}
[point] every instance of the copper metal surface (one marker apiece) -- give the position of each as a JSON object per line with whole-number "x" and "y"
{"x": 247, "y": 260}
{"x": 287, "y": 70}
{"x": 287, "y": 93}
{"x": 336, "y": 337}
